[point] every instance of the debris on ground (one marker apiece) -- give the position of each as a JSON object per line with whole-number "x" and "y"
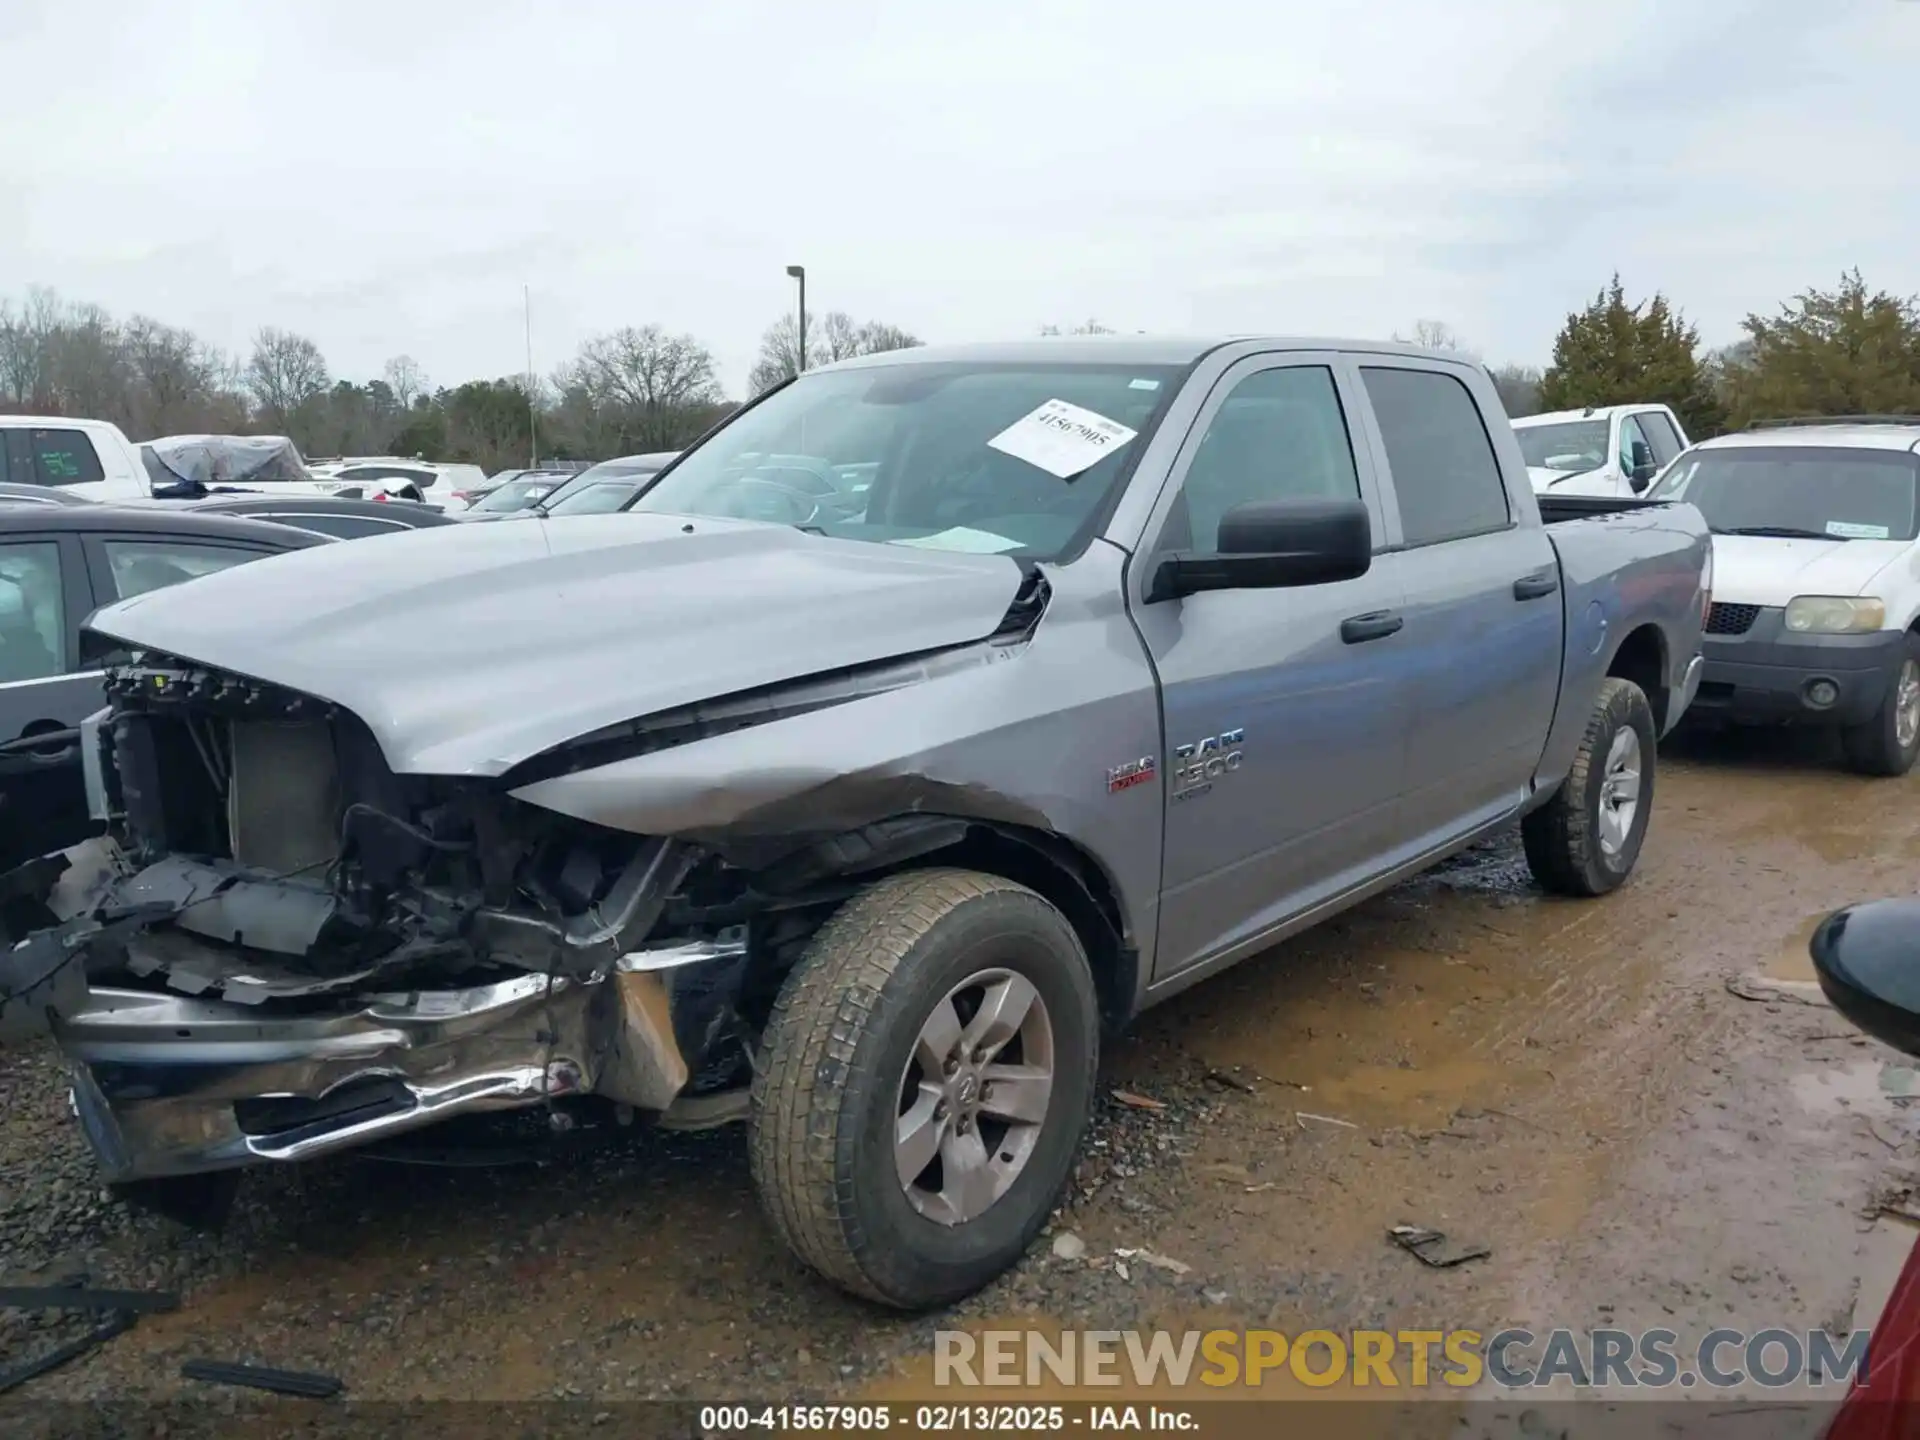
{"x": 115, "y": 1324}
{"x": 121, "y": 1308}
{"x": 1899, "y": 1082}
{"x": 1138, "y": 1102}
{"x": 1305, "y": 1115}
{"x": 1230, "y": 1080}
{"x": 304, "y": 1383}
{"x": 1430, "y": 1247}
{"x": 78, "y": 1297}
{"x": 1068, "y": 1246}
{"x": 1767, "y": 990}
{"x": 1159, "y": 1262}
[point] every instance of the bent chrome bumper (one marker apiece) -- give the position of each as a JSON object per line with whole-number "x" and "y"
{"x": 165, "y": 1084}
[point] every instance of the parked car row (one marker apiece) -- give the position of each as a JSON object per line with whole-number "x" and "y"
{"x": 1006, "y": 691}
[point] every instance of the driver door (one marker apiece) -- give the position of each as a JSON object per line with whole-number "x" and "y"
{"x": 1285, "y": 712}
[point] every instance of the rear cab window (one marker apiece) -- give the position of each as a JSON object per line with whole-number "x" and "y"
{"x": 51, "y": 455}
{"x": 1440, "y": 457}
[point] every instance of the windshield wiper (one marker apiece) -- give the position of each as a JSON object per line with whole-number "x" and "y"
{"x": 1781, "y": 532}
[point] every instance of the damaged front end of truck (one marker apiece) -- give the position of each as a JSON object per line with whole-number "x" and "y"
{"x": 291, "y": 950}
{"x": 283, "y": 949}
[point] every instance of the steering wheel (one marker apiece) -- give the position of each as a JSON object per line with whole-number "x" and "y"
{"x": 800, "y": 507}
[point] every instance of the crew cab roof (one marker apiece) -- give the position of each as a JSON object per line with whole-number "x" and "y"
{"x": 1125, "y": 349}
{"x": 1597, "y": 412}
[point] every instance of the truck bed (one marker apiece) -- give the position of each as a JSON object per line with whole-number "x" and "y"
{"x": 1555, "y": 509}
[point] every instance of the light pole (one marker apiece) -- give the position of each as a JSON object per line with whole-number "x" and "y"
{"x": 799, "y": 272}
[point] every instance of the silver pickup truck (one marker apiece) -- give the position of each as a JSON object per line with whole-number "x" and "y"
{"x": 937, "y": 713}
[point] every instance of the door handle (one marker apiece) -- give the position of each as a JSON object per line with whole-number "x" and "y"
{"x": 1375, "y": 625}
{"x": 43, "y": 747}
{"x": 1532, "y": 587}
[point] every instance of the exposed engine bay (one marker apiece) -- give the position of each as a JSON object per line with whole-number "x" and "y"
{"x": 282, "y": 948}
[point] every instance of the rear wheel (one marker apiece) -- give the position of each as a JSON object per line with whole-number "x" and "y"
{"x": 1888, "y": 743}
{"x": 925, "y": 1081}
{"x": 1586, "y": 839}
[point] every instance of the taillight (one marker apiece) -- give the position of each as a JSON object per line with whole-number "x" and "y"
{"x": 380, "y": 495}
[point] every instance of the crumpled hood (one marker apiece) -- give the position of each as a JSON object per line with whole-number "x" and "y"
{"x": 469, "y": 648}
{"x": 1771, "y": 570}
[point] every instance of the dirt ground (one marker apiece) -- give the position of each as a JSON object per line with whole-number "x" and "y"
{"x": 1571, "y": 1084}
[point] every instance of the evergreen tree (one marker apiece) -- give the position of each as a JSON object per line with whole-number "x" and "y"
{"x": 1837, "y": 352}
{"x": 1613, "y": 353}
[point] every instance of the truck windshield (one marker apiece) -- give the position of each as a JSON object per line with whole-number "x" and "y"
{"x": 1799, "y": 490}
{"x": 1011, "y": 458}
{"x": 1573, "y": 446}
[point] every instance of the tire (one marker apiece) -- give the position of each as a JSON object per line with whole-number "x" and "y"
{"x": 841, "y": 1058}
{"x": 1874, "y": 747}
{"x": 1570, "y": 850}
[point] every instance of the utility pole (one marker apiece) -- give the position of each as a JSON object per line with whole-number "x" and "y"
{"x": 799, "y": 272}
{"x": 533, "y": 397}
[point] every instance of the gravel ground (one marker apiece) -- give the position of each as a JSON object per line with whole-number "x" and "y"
{"x": 1572, "y": 1084}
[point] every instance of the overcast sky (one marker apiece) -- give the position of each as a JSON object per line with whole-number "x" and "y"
{"x": 385, "y": 177}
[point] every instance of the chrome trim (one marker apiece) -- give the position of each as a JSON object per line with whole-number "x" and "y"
{"x": 53, "y": 679}
{"x": 728, "y": 945}
{"x": 156, "y": 1076}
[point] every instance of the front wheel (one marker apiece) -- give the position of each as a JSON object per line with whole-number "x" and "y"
{"x": 1585, "y": 840}
{"x": 924, "y": 1083}
{"x": 1888, "y": 743}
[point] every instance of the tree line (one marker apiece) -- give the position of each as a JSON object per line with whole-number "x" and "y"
{"x": 1846, "y": 350}
{"x": 635, "y": 389}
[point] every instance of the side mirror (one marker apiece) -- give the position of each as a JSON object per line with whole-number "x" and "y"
{"x": 1644, "y": 466}
{"x": 1274, "y": 544}
{"x": 1867, "y": 958}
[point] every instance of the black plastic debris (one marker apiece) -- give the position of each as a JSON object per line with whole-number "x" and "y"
{"x": 78, "y": 1297}
{"x": 1430, "y": 1247}
{"x": 15, "y": 1376}
{"x": 306, "y": 1384}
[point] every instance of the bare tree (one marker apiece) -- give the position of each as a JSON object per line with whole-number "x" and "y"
{"x": 405, "y": 379}
{"x": 1519, "y": 388}
{"x": 1085, "y": 327}
{"x": 830, "y": 337}
{"x": 26, "y": 343}
{"x": 779, "y": 357}
{"x": 285, "y": 372}
{"x": 1433, "y": 335}
{"x": 176, "y": 381}
{"x": 651, "y": 379}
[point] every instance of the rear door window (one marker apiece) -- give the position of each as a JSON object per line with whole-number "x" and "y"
{"x": 62, "y": 457}
{"x": 33, "y": 620}
{"x": 138, "y": 566}
{"x": 1444, "y": 471}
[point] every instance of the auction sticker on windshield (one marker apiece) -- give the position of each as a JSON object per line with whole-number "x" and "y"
{"x": 964, "y": 539}
{"x": 1846, "y": 530}
{"x": 1063, "y": 439}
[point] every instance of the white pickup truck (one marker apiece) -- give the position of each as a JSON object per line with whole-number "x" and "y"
{"x": 1611, "y": 450}
{"x": 96, "y": 461}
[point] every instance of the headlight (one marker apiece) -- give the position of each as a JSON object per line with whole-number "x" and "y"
{"x": 1834, "y": 615}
